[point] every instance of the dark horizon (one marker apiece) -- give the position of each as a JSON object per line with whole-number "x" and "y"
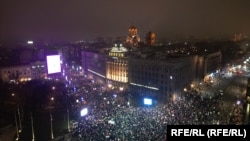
{"x": 87, "y": 20}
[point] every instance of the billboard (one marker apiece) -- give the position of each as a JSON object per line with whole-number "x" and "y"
{"x": 147, "y": 101}
{"x": 84, "y": 112}
{"x": 53, "y": 64}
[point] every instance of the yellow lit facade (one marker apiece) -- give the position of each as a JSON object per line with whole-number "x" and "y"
{"x": 116, "y": 65}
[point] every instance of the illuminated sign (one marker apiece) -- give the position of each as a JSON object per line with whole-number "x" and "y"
{"x": 53, "y": 64}
{"x": 147, "y": 101}
{"x": 84, "y": 112}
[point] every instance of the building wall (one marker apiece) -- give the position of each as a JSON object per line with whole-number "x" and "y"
{"x": 160, "y": 79}
{"x": 21, "y": 73}
{"x": 212, "y": 62}
{"x": 16, "y": 73}
{"x": 116, "y": 69}
{"x": 150, "y": 39}
{"x": 38, "y": 70}
{"x": 94, "y": 64}
{"x": 207, "y": 64}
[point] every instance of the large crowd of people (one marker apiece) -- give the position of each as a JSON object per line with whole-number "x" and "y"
{"x": 111, "y": 118}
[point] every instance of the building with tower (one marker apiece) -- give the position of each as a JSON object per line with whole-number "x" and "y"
{"x": 132, "y": 39}
{"x": 145, "y": 71}
{"x": 150, "y": 39}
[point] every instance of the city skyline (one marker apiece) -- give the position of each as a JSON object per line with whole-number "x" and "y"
{"x": 87, "y": 20}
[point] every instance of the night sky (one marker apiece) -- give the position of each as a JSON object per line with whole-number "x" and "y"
{"x": 88, "y": 19}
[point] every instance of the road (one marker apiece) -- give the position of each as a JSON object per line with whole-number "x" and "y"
{"x": 232, "y": 98}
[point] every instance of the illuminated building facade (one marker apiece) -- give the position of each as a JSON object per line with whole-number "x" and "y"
{"x": 38, "y": 70}
{"x": 146, "y": 72}
{"x": 150, "y": 39}
{"x": 21, "y": 73}
{"x": 16, "y": 73}
{"x": 117, "y": 65}
{"x": 208, "y": 64}
{"x": 132, "y": 39}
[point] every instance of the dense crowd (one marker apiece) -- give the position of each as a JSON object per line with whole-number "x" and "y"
{"x": 111, "y": 118}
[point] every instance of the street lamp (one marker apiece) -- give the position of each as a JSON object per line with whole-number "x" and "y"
{"x": 52, "y": 98}
{"x": 51, "y": 120}
{"x": 185, "y": 89}
{"x": 17, "y": 133}
{"x": 18, "y": 112}
{"x": 68, "y": 120}
{"x": 121, "y": 88}
{"x": 32, "y": 127}
{"x": 53, "y": 87}
{"x": 19, "y": 117}
{"x": 51, "y": 126}
{"x": 109, "y": 85}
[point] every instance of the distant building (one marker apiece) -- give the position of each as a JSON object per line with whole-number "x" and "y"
{"x": 208, "y": 64}
{"x": 21, "y": 73}
{"x": 162, "y": 79}
{"x": 16, "y": 73}
{"x": 159, "y": 77}
{"x": 94, "y": 64}
{"x": 237, "y": 37}
{"x": 38, "y": 70}
{"x": 132, "y": 39}
{"x": 150, "y": 39}
{"x": 117, "y": 65}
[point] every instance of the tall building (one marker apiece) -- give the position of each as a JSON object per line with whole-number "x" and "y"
{"x": 117, "y": 64}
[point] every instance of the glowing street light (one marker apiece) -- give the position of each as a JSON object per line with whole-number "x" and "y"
{"x": 19, "y": 117}
{"x": 121, "y": 88}
{"x": 32, "y": 127}
{"x": 51, "y": 126}
{"x": 68, "y": 120}
{"x": 185, "y": 89}
{"x": 17, "y": 132}
{"x": 53, "y": 88}
{"x": 52, "y": 98}
{"x": 109, "y": 85}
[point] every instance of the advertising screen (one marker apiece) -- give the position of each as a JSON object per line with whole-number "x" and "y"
{"x": 147, "y": 101}
{"x": 53, "y": 64}
{"x": 84, "y": 112}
